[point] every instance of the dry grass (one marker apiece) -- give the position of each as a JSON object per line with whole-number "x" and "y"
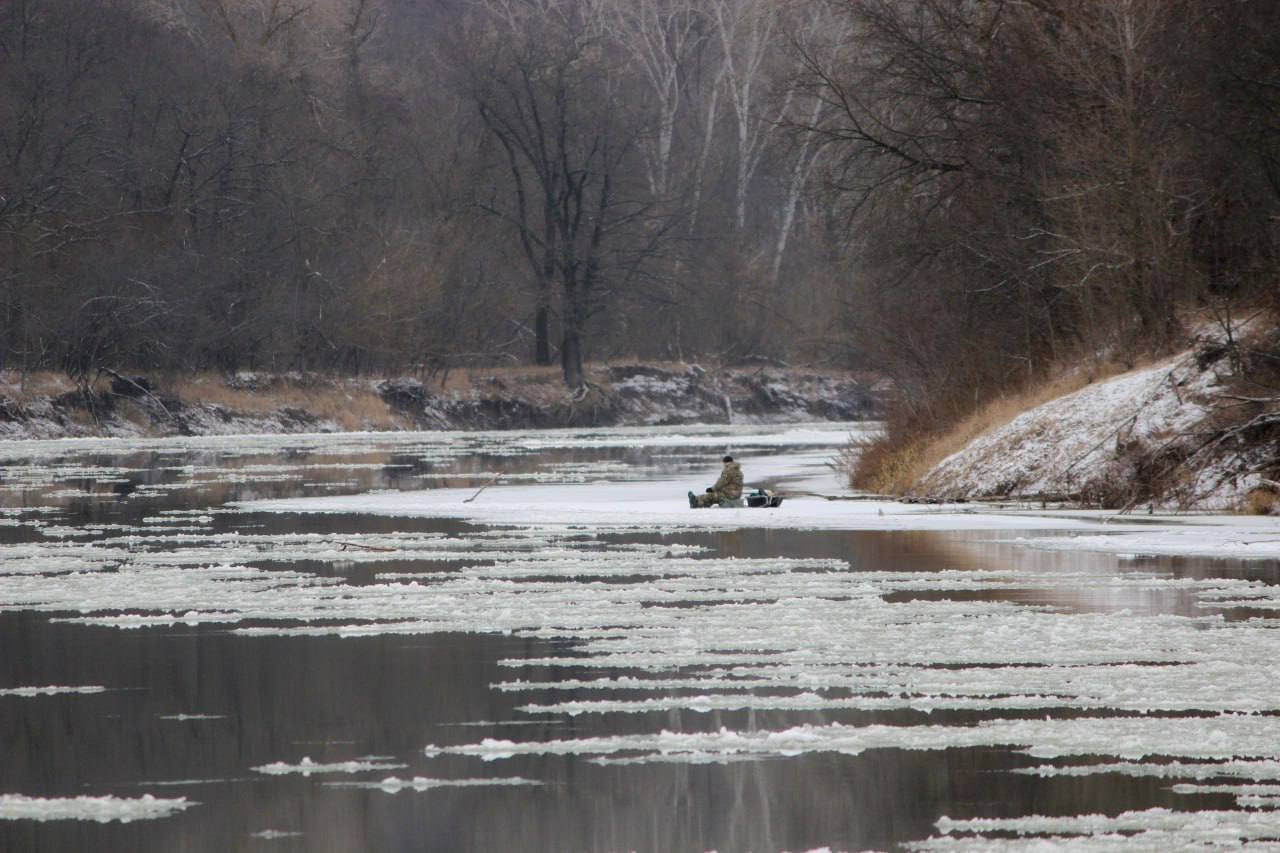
{"x": 540, "y": 386}
{"x": 1262, "y": 501}
{"x": 353, "y": 408}
{"x": 883, "y": 465}
{"x": 33, "y": 386}
{"x": 894, "y": 463}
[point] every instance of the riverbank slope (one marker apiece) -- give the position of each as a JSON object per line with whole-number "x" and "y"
{"x": 1198, "y": 430}
{"x": 50, "y": 406}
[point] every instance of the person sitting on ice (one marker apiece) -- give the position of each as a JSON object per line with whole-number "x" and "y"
{"x": 727, "y": 488}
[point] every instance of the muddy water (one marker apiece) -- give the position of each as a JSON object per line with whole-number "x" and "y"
{"x": 253, "y": 700}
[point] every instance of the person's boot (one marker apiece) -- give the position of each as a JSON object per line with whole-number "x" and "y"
{"x": 693, "y": 501}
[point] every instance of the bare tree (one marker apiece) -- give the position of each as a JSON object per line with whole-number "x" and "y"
{"x": 746, "y": 29}
{"x": 548, "y": 95}
{"x": 663, "y": 38}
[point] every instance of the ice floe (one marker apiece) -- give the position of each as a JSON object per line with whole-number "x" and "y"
{"x": 182, "y": 783}
{"x": 652, "y": 504}
{"x": 394, "y": 785}
{"x": 100, "y": 809}
{"x": 1222, "y": 736}
{"x": 658, "y": 504}
{"x": 306, "y": 766}
{"x": 51, "y": 690}
{"x": 1251, "y": 770}
{"x": 1151, "y": 829}
{"x": 1228, "y": 537}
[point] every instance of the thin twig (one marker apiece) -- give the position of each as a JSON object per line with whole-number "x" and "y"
{"x": 495, "y": 479}
{"x": 1249, "y": 399}
{"x": 342, "y": 546}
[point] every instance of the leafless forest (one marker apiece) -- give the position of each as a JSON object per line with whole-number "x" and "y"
{"x": 957, "y": 193}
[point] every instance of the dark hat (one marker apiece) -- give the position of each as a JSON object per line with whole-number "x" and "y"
{"x": 727, "y": 459}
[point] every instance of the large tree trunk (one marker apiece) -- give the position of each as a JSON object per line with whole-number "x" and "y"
{"x": 574, "y": 321}
{"x": 542, "y": 338}
{"x": 571, "y": 358}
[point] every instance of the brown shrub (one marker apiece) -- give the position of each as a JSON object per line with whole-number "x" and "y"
{"x": 353, "y": 408}
{"x": 36, "y": 385}
{"x": 887, "y": 464}
{"x": 1263, "y": 500}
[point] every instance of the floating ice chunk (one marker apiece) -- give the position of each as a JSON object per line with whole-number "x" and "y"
{"x": 28, "y": 692}
{"x": 488, "y": 724}
{"x": 274, "y": 834}
{"x": 1223, "y": 736}
{"x": 393, "y": 784}
{"x": 306, "y": 766}
{"x": 1268, "y": 790}
{"x": 1211, "y": 685}
{"x": 1257, "y": 802}
{"x": 1149, "y": 841}
{"x": 1232, "y": 537}
{"x": 186, "y": 717}
{"x": 1254, "y": 770}
{"x": 179, "y": 783}
{"x": 100, "y": 809}
{"x": 1205, "y": 827}
{"x": 809, "y": 702}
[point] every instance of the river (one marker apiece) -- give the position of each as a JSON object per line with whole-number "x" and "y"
{"x": 525, "y": 641}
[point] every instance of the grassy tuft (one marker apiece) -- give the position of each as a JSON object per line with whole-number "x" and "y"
{"x": 1262, "y": 501}
{"x": 353, "y": 408}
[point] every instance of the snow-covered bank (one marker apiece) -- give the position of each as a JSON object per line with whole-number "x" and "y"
{"x": 253, "y": 403}
{"x": 1173, "y": 434}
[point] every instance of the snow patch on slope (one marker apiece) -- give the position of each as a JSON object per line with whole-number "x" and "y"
{"x": 1084, "y": 445}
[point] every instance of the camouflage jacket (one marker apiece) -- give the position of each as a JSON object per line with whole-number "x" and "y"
{"x": 730, "y": 482}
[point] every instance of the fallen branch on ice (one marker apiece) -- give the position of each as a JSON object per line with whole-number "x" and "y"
{"x": 342, "y": 546}
{"x": 495, "y": 479}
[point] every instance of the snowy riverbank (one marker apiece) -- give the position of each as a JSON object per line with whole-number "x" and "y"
{"x": 1176, "y": 434}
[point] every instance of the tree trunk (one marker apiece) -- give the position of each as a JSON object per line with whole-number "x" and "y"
{"x": 542, "y": 341}
{"x": 571, "y": 357}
